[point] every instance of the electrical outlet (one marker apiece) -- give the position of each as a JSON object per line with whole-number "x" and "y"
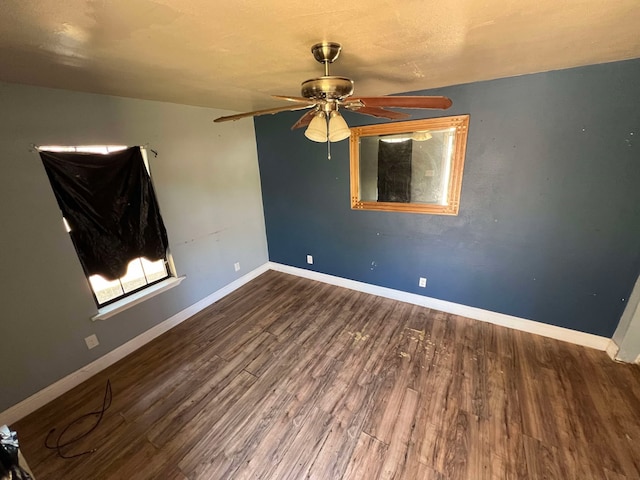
{"x": 423, "y": 282}
{"x": 310, "y": 259}
{"x": 91, "y": 341}
{"x": 236, "y": 266}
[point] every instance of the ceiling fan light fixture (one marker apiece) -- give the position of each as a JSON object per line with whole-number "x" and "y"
{"x": 338, "y": 128}
{"x": 421, "y": 136}
{"x": 317, "y": 129}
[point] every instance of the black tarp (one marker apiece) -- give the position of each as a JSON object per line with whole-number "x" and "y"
{"x": 109, "y": 203}
{"x": 394, "y": 171}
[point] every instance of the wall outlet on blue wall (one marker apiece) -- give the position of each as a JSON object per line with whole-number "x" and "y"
{"x": 236, "y": 266}
{"x": 423, "y": 282}
{"x": 310, "y": 259}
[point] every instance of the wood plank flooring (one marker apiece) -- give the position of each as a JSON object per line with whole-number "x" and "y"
{"x": 287, "y": 378}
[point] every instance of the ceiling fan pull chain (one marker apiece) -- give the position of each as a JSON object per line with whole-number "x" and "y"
{"x": 328, "y": 150}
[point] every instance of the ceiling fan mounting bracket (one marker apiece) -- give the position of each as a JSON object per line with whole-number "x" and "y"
{"x": 326, "y": 52}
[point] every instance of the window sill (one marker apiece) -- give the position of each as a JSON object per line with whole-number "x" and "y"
{"x": 139, "y": 297}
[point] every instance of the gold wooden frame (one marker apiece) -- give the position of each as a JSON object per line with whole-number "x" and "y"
{"x": 461, "y": 124}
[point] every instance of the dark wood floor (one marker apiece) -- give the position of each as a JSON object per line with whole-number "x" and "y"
{"x": 287, "y": 378}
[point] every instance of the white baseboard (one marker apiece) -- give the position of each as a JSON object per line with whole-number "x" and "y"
{"x": 530, "y": 326}
{"x": 44, "y": 396}
{"x": 612, "y": 349}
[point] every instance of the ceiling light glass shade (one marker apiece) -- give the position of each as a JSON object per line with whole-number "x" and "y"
{"x": 338, "y": 128}
{"x": 317, "y": 129}
{"x": 421, "y": 136}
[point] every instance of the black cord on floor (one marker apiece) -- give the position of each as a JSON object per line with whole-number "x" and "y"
{"x": 59, "y": 444}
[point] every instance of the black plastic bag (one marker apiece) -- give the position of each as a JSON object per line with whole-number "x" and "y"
{"x": 10, "y": 467}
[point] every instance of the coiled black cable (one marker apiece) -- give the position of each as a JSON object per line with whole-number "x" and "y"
{"x": 59, "y": 444}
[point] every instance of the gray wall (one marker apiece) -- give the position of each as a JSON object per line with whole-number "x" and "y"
{"x": 207, "y": 181}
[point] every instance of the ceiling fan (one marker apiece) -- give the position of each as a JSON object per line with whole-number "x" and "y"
{"x": 324, "y": 96}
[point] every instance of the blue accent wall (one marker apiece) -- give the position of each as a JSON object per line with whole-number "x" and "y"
{"x": 549, "y": 223}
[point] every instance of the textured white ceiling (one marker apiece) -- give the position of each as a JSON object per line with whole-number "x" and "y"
{"x": 234, "y": 54}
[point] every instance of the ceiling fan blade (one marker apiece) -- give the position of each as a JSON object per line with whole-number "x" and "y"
{"x": 405, "y": 102}
{"x": 378, "y": 112}
{"x": 304, "y": 120}
{"x": 293, "y": 99}
{"x": 291, "y": 108}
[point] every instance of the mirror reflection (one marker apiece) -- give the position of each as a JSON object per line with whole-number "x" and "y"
{"x": 409, "y": 166}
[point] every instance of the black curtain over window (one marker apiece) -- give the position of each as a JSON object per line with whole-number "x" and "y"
{"x": 394, "y": 171}
{"x": 110, "y": 205}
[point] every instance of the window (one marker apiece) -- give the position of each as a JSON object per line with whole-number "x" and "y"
{"x": 140, "y": 274}
{"x": 111, "y": 213}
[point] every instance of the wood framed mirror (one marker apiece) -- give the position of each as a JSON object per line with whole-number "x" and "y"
{"x": 413, "y": 166}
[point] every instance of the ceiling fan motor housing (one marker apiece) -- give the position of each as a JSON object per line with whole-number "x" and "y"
{"x": 327, "y": 88}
